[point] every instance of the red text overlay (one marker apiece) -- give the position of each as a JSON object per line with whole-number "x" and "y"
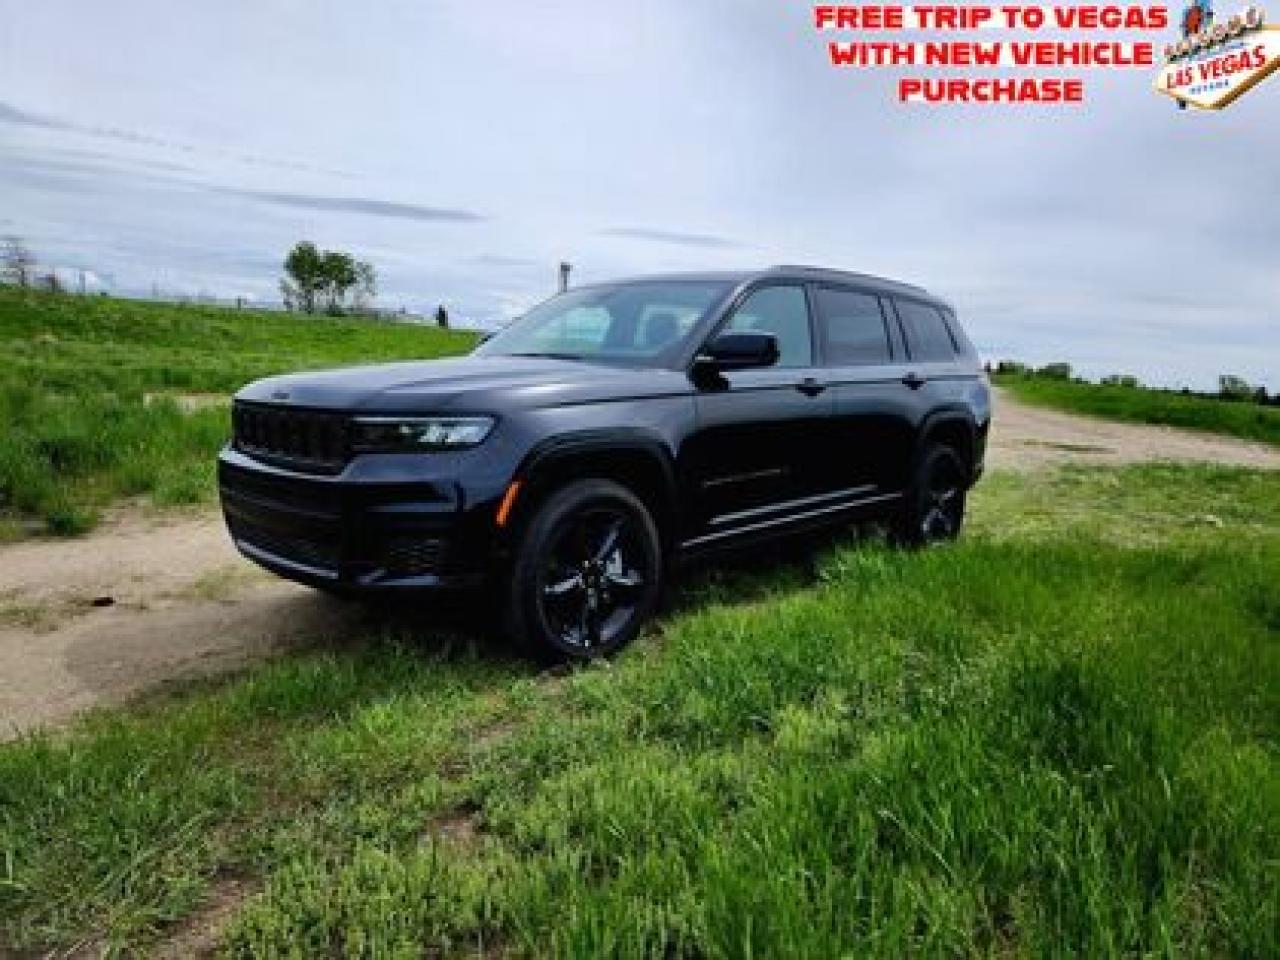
{"x": 990, "y": 54}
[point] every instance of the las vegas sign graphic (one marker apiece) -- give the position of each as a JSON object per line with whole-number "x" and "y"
{"x": 1217, "y": 62}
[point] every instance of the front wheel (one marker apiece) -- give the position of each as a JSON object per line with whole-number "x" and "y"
{"x": 933, "y": 511}
{"x": 587, "y": 572}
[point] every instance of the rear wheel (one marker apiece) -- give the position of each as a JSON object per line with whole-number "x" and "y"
{"x": 934, "y": 509}
{"x": 587, "y": 572}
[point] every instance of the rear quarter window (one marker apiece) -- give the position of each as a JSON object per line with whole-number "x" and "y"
{"x": 964, "y": 346}
{"x": 928, "y": 338}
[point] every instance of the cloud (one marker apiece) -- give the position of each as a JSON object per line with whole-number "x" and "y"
{"x": 676, "y": 237}
{"x": 374, "y": 208}
{"x": 118, "y": 160}
{"x": 11, "y": 114}
{"x": 1123, "y": 235}
{"x": 498, "y": 260}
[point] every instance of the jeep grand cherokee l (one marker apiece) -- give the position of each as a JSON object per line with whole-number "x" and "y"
{"x": 568, "y": 461}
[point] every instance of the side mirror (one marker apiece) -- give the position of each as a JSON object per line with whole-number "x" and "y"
{"x": 740, "y": 351}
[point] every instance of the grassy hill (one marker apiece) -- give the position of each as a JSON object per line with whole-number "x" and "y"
{"x": 103, "y": 398}
{"x": 1249, "y": 421}
{"x": 1060, "y": 736}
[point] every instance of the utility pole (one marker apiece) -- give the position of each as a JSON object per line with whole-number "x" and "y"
{"x": 565, "y": 270}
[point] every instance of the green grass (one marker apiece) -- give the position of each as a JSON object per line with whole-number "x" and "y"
{"x": 1058, "y": 737}
{"x": 93, "y": 394}
{"x": 1249, "y": 421}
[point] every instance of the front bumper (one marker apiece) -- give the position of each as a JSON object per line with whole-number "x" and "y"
{"x": 363, "y": 530}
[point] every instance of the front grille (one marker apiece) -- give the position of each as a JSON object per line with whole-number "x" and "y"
{"x": 280, "y": 493}
{"x": 414, "y": 557}
{"x": 307, "y": 440}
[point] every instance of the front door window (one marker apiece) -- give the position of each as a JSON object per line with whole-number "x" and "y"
{"x": 784, "y": 312}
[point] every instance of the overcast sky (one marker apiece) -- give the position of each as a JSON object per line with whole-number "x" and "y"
{"x": 467, "y": 147}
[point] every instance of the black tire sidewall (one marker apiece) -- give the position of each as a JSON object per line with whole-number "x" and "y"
{"x": 909, "y": 531}
{"x": 523, "y": 617}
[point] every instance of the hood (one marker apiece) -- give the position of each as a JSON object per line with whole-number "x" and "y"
{"x": 464, "y": 384}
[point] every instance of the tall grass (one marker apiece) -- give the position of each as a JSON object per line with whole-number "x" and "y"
{"x": 1249, "y": 421}
{"x": 94, "y": 393}
{"x": 1041, "y": 741}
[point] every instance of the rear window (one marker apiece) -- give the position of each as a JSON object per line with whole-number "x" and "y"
{"x": 928, "y": 339}
{"x": 852, "y": 327}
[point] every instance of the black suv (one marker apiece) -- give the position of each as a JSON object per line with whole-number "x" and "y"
{"x": 612, "y": 430}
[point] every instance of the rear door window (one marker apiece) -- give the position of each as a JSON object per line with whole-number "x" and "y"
{"x": 852, "y": 328}
{"x": 928, "y": 339}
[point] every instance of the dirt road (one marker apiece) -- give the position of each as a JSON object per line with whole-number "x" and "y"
{"x": 183, "y": 604}
{"x": 1026, "y": 438}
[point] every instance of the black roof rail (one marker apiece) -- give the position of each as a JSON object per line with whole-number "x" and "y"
{"x": 832, "y": 273}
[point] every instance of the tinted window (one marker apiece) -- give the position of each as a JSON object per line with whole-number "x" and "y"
{"x": 662, "y": 323}
{"x": 629, "y": 322}
{"x": 963, "y": 346}
{"x": 852, "y": 327}
{"x": 927, "y": 336}
{"x": 784, "y": 312}
{"x": 581, "y": 330}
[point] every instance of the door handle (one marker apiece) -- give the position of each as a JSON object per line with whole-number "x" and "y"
{"x": 810, "y": 387}
{"x": 914, "y": 380}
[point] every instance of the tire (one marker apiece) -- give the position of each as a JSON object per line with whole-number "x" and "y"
{"x": 587, "y": 573}
{"x": 933, "y": 511}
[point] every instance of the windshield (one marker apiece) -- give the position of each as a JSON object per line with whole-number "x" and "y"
{"x": 642, "y": 323}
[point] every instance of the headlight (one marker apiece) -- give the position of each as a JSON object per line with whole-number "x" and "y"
{"x": 407, "y": 434}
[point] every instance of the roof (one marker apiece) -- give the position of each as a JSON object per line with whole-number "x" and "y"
{"x": 800, "y": 272}
{"x": 847, "y": 276}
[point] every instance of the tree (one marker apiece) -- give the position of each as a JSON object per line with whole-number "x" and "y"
{"x": 16, "y": 262}
{"x": 316, "y": 278}
{"x": 1055, "y": 371}
{"x": 366, "y": 285}
{"x": 338, "y": 275}
{"x": 304, "y": 267}
{"x": 1231, "y": 387}
{"x": 442, "y": 317}
{"x": 1121, "y": 380}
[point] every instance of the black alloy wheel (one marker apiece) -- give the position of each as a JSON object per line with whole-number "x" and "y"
{"x": 587, "y": 573}
{"x": 935, "y": 503}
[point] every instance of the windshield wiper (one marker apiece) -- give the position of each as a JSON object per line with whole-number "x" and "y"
{"x": 550, "y": 356}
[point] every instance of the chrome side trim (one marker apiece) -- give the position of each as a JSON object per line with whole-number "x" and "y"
{"x": 745, "y": 477}
{"x": 789, "y": 518}
{"x": 786, "y": 505}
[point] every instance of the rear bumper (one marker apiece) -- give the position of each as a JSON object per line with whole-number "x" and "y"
{"x": 355, "y": 534}
{"x": 980, "y": 451}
